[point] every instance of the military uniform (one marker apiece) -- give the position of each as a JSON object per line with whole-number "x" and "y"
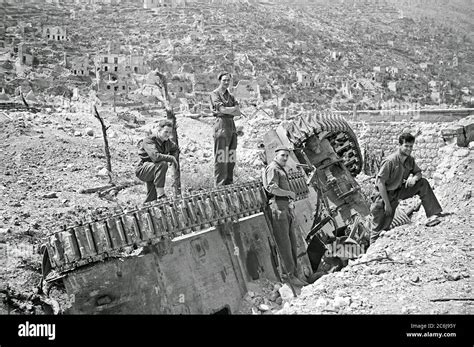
{"x": 225, "y": 138}
{"x": 395, "y": 169}
{"x": 154, "y": 158}
{"x": 282, "y": 216}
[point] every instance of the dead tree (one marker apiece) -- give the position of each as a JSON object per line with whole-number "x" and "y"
{"x": 106, "y": 142}
{"x": 162, "y": 85}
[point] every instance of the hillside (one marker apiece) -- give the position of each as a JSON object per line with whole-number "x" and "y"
{"x": 321, "y": 54}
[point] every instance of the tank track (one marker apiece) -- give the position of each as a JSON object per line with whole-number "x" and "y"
{"x": 118, "y": 234}
{"x": 333, "y": 127}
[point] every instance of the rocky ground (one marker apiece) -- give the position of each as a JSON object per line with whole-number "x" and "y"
{"x": 48, "y": 158}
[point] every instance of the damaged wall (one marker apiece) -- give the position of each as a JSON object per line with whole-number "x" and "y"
{"x": 381, "y": 139}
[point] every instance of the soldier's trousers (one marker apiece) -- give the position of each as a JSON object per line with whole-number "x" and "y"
{"x": 154, "y": 175}
{"x": 225, "y": 156}
{"x": 422, "y": 188}
{"x": 283, "y": 230}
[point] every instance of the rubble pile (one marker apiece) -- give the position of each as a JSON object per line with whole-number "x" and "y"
{"x": 263, "y": 297}
{"x": 453, "y": 177}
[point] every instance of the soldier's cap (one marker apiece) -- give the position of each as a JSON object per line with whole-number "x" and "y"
{"x": 223, "y": 74}
{"x": 282, "y": 148}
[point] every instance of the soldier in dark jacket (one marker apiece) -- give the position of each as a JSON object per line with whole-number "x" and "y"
{"x": 156, "y": 153}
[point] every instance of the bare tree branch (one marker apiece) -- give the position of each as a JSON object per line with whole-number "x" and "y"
{"x": 106, "y": 143}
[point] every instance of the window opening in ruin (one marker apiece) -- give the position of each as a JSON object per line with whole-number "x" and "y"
{"x": 115, "y": 60}
{"x": 123, "y": 87}
{"x": 135, "y": 69}
{"x": 75, "y": 72}
{"x": 106, "y": 68}
{"x": 106, "y": 60}
{"x": 115, "y": 68}
{"x": 115, "y": 88}
{"x": 108, "y": 87}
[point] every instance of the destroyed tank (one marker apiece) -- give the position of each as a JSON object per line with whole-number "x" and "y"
{"x": 198, "y": 253}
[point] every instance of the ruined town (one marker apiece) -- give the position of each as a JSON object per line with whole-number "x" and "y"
{"x": 260, "y": 157}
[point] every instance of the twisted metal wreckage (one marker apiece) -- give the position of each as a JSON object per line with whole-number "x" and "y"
{"x": 197, "y": 253}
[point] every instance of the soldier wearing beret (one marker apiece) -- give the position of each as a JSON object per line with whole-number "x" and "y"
{"x": 276, "y": 183}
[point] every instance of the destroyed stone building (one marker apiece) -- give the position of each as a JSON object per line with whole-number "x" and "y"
{"x": 80, "y": 66}
{"x": 180, "y": 86}
{"x": 110, "y": 62}
{"x": 247, "y": 90}
{"x": 304, "y": 79}
{"x": 136, "y": 63}
{"x": 51, "y": 32}
{"x": 26, "y": 55}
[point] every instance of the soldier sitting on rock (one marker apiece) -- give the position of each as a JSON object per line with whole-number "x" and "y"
{"x": 399, "y": 178}
{"x": 156, "y": 153}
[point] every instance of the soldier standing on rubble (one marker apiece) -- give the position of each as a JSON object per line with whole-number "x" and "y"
{"x": 276, "y": 183}
{"x": 156, "y": 152}
{"x": 224, "y": 108}
{"x": 399, "y": 178}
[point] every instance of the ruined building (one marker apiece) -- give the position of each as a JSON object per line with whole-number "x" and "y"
{"x": 148, "y": 4}
{"x": 80, "y": 66}
{"x": 26, "y": 55}
{"x": 117, "y": 62}
{"x": 163, "y": 3}
{"x": 304, "y": 79}
{"x": 109, "y": 62}
{"x": 57, "y": 33}
{"x": 247, "y": 90}
{"x": 100, "y": 2}
{"x": 136, "y": 62}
